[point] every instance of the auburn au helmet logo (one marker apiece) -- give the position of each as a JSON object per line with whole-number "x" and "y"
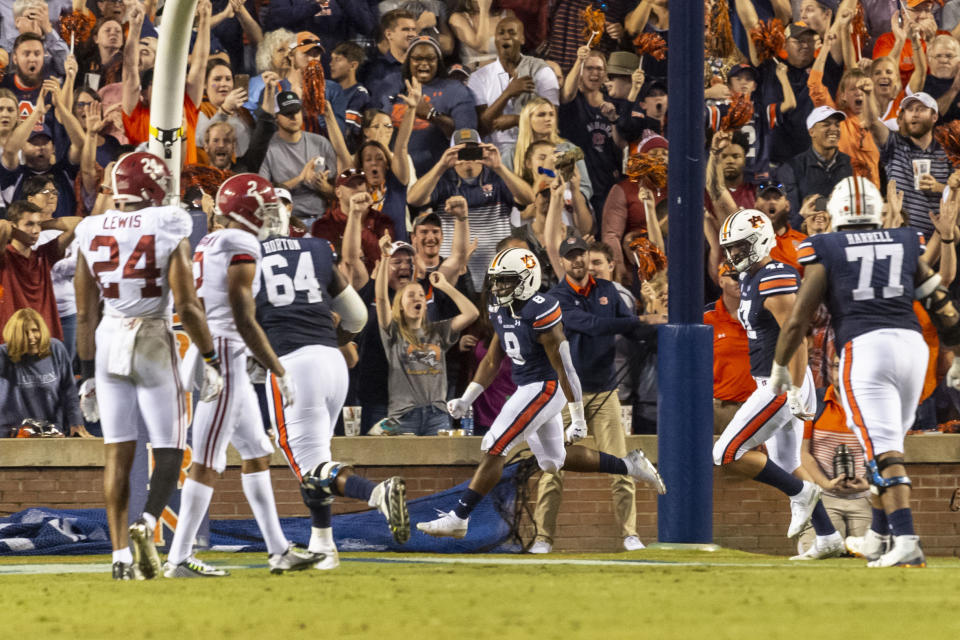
{"x": 528, "y": 261}
{"x": 756, "y": 221}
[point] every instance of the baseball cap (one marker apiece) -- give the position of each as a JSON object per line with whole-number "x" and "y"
{"x": 822, "y": 113}
{"x": 400, "y": 245}
{"x": 283, "y": 194}
{"x": 798, "y": 28}
{"x": 458, "y": 69}
{"x": 916, "y": 3}
{"x": 622, "y": 63}
{"x": 653, "y": 142}
{"x": 464, "y": 136}
{"x": 350, "y": 177}
{"x": 737, "y": 69}
{"x": 924, "y": 98}
{"x": 768, "y": 186}
{"x": 650, "y": 86}
{"x": 42, "y": 131}
{"x": 307, "y": 41}
{"x": 572, "y": 243}
{"x": 430, "y": 218}
{"x": 288, "y": 103}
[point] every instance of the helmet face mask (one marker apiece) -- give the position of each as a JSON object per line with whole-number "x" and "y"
{"x": 747, "y": 238}
{"x": 503, "y": 286}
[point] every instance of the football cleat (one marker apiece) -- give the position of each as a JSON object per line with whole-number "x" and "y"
{"x": 389, "y": 497}
{"x": 802, "y": 506}
{"x": 126, "y": 571}
{"x": 448, "y": 525}
{"x": 145, "y": 553}
{"x": 823, "y": 547}
{"x": 192, "y": 568}
{"x": 326, "y": 558}
{"x": 293, "y": 559}
{"x": 632, "y": 543}
{"x": 640, "y": 468}
{"x": 905, "y": 552}
{"x": 540, "y": 547}
{"x": 870, "y": 546}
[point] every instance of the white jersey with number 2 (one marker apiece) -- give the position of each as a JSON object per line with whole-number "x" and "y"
{"x": 211, "y": 261}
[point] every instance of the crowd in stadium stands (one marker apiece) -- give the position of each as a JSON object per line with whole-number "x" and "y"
{"x": 457, "y": 128}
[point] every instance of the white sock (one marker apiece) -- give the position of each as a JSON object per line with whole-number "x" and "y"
{"x": 259, "y": 493}
{"x": 194, "y": 500}
{"x": 123, "y": 555}
{"x": 150, "y": 520}
{"x": 321, "y": 540}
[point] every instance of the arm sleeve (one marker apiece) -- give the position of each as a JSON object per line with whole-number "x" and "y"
{"x": 547, "y": 86}
{"x": 263, "y": 131}
{"x": 818, "y": 92}
{"x": 575, "y": 319}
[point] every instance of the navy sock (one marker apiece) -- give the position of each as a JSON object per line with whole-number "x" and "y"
{"x": 612, "y": 464}
{"x": 821, "y": 521}
{"x": 777, "y": 478}
{"x": 320, "y": 517}
{"x": 901, "y": 522}
{"x": 468, "y": 501}
{"x": 358, "y": 488}
{"x": 879, "y": 523}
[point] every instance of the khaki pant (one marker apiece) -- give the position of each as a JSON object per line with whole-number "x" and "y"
{"x": 851, "y": 517}
{"x": 723, "y": 412}
{"x": 604, "y": 425}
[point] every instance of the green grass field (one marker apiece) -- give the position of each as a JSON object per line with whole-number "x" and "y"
{"x": 644, "y": 594}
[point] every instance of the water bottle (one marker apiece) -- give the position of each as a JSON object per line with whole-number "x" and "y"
{"x": 466, "y": 422}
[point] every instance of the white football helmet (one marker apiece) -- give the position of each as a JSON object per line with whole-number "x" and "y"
{"x": 855, "y": 201}
{"x": 747, "y": 238}
{"x": 514, "y": 275}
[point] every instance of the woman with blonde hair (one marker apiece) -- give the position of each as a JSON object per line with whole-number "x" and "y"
{"x": 273, "y": 54}
{"x": 416, "y": 348}
{"x": 538, "y": 123}
{"x": 36, "y": 377}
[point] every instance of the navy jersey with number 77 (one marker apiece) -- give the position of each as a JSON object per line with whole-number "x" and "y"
{"x": 870, "y": 277}
{"x": 518, "y": 337}
{"x": 293, "y": 304}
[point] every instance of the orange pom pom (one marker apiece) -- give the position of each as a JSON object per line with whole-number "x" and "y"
{"x": 594, "y": 23}
{"x": 948, "y": 135}
{"x": 649, "y": 258}
{"x": 79, "y": 23}
{"x": 207, "y": 178}
{"x": 648, "y": 169}
{"x": 314, "y": 89}
{"x": 768, "y": 38}
{"x": 651, "y": 44}
{"x": 739, "y": 113}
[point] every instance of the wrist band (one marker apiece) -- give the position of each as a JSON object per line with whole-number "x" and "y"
{"x": 950, "y": 241}
{"x": 211, "y": 357}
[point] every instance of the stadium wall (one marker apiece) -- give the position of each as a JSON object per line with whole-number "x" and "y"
{"x": 747, "y": 516}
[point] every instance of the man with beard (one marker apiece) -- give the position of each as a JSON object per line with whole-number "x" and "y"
{"x": 820, "y": 167}
{"x": 220, "y": 139}
{"x": 509, "y": 82}
{"x": 300, "y": 161}
{"x": 27, "y": 60}
{"x": 905, "y": 153}
{"x": 728, "y": 157}
{"x": 33, "y": 16}
{"x": 772, "y": 200}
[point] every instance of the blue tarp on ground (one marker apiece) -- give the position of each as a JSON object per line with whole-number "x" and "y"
{"x": 45, "y": 531}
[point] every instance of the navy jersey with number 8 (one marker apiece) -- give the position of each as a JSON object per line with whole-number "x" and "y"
{"x": 293, "y": 304}
{"x": 518, "y": 337}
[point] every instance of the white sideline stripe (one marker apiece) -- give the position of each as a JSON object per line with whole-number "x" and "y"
{"x": 45, "y": 569}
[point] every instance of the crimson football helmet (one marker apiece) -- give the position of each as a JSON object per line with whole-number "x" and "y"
{"x": 141, "y": 177}
{"x": 249, "y": 199}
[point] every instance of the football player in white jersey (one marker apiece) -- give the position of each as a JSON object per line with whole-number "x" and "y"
{"x": 226, "y": 269}
{"x": 133, "y": 258}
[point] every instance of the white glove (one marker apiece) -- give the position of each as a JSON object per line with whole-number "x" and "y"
{"x": 780, "y": 380}
{"x": 458, "y": 407}
{"x": 88, "y": 401}
{"x": 953, "y": 374}
{"x": 255, "y": 371}
{"x": 578, "y": 425}
{"x": 797, "y": 407}
{"x": 212, "y": 383}
{"x": 287, "y": 388}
